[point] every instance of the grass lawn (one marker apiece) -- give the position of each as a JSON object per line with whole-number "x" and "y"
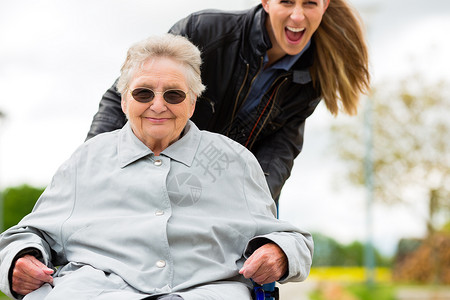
{"x": 348, "y": 274}
{"x": 352, "y": 291}
{"x": 350, "y": 283}
{"x": 375, "y": 292}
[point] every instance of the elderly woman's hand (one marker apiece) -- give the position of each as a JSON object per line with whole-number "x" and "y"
{"x": 267, "y": 264}
{"x": 29, "y": 274}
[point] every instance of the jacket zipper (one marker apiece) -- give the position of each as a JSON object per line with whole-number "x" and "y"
{"x": 240, "y": 90}
{"x": 237, "y": 98}
{"x": 253, "y": 80}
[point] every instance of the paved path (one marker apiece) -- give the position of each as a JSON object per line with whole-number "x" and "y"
{"x": 423, "y": 294}
{"x": 296, "y": 290}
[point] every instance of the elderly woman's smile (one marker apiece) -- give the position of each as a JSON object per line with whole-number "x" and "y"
{"x": 158, "y": 123}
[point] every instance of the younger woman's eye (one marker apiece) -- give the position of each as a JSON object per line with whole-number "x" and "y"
{"x": 311, "y": 3}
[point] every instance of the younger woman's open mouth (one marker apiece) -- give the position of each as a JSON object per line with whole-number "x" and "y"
{"x": 294, "y": 34}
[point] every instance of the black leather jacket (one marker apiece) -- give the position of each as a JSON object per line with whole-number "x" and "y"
{"x": 233, "y": 45}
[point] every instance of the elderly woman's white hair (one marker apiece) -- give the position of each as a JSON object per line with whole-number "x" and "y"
{"x": 168, "y": 45}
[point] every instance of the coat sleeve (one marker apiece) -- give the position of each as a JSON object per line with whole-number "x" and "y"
{"x": 296, "y": 243}
{"x": 41, "y": 229}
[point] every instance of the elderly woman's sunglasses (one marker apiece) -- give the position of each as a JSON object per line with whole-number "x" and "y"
{"x": 145, "y": 95}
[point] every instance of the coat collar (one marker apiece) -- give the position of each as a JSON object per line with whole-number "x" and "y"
{"x": 131, "y": 149}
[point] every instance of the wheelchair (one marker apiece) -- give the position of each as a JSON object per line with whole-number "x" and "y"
{"x": 265, "y": 292}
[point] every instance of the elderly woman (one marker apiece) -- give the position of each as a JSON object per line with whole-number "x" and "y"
{"x": 157, "y": 209}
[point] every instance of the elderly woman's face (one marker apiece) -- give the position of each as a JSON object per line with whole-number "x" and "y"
{"x": 158, "y": 123}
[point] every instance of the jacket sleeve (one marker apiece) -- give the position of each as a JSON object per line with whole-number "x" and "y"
{"x": 41, "y": 229}
{"x": 109, "y": 116}
{"x": 181, "y": 27}
{"x": 296, "y": 243}
{"x": 276, "y": 154}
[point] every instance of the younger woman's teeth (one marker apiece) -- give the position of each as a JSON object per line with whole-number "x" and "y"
{"x": 293, "y": 29}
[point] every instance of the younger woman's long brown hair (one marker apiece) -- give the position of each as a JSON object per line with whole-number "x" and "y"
{"x": 341, "y": 63}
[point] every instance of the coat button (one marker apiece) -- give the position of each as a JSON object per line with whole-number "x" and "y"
{"x": 157, "y": 162}
{"x": 160, "y": 263}
{"x": 159, "y": 213}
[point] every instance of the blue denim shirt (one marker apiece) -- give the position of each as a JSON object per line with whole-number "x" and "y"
{"x": 267, "y": 76}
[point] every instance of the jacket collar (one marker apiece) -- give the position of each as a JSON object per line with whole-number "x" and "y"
{"x": 131, "y": 149}
{"x": 257, "y": 35}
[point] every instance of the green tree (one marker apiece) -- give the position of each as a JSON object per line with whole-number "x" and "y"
{"x": 411, "y": 145}
{"x": 354, "y": 254}
{"x": 328, "y": 252}
{"x": 17, "y": 202}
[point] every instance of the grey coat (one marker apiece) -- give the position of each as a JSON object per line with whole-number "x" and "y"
{"x": 124, "y": 224}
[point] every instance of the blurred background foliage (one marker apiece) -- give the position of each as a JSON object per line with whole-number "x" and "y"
{"x": 411, "y": 164}
{"x": 329, "y": 252}
{"x": 17, "y": 202}
{"x": 411, "y": 141}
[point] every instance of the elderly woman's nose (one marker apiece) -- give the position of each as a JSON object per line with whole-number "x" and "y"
{"x": 158, "y": 104}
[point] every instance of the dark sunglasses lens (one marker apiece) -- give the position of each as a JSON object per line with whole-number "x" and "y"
{"x": 143, "y": 95}
{"x": 174, "y": 96}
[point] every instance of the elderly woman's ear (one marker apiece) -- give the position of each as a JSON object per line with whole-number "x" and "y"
{"x": 123, "y": 103}
{"x": 193, "y": 101}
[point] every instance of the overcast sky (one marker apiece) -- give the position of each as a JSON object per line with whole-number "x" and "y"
{"x": 58, "y": 57}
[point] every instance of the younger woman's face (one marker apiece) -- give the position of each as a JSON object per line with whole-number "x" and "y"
{"x": 291, "y": 24}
